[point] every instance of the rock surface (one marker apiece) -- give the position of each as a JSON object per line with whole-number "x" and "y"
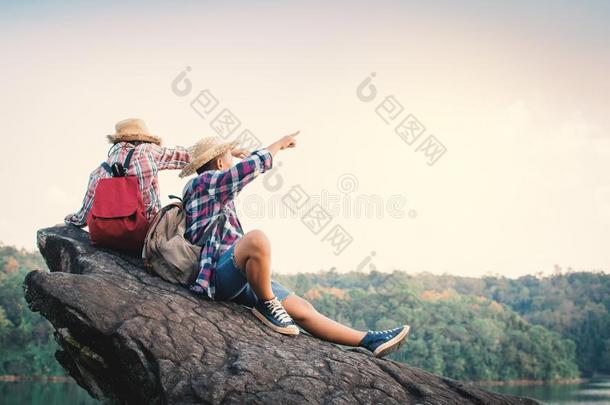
{"x": 129, "y": 337}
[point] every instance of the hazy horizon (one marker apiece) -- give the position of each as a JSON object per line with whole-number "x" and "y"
{"x": 517, "y": 93}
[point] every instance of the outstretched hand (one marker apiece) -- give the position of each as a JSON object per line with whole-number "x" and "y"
{"x": 285, "y": 142}
{"x": 289, "y": 141}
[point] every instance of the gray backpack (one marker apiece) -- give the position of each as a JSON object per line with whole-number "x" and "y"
{"x": 166, "y": 252}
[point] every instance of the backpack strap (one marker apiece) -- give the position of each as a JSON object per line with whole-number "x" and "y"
{"x": 128, "y": 159}
{"x": 106, "y": 166}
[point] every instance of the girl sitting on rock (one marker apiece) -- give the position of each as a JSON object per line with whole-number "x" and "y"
{"x": 148, "y": 158}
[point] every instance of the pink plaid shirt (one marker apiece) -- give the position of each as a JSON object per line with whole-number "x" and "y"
{"x": 147, "y": 160}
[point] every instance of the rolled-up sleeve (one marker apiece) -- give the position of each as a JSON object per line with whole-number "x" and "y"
{"x": 170, "y": 158}
{"x": 80, "y": 217}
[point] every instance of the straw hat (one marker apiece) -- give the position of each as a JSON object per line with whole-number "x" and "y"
{"x": 132, "y": 129}
{"x": 204, "y": 151}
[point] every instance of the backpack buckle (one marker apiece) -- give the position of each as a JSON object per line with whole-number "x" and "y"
{"x": 118, "y": 170}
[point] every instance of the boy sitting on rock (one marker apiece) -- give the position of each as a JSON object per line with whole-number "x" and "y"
{"x": 235, "y": 266}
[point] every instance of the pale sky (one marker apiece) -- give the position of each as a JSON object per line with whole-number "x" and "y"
{"x": 517, "y": 93}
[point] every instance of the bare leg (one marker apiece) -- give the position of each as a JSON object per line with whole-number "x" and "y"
{"x": 253, "y": 255}
{"x": 304, "y": 314}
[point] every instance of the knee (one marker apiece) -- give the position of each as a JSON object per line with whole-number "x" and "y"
{"x": 258, "y": 243}
{"x": 301, "y": 309}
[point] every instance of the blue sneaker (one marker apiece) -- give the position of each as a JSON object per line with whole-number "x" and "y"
{"x": 273, "y": 314}
{"x": 383, "y": 342}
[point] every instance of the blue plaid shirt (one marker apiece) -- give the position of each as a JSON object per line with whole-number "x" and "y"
{"x": 210, "y": 195}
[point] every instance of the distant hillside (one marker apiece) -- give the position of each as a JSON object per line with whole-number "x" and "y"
{"x": 27, "y": 345}
{"x": 465, "y": 328}
{"x": 477, "y": 328}
{"x": 576, "y": 305}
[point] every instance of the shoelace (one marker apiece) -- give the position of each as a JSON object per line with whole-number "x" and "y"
{"x": 379, "y": 332}
{"x": 278, "y": 310}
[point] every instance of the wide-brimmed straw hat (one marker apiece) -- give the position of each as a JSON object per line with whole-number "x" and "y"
{"x": 204, "y": 151}
{"x": 132, "y": 129}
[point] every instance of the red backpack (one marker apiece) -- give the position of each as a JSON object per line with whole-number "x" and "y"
{"x": 117, "y": 219}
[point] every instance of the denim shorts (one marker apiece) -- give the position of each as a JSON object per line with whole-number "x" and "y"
{"x": 232, "y": 285}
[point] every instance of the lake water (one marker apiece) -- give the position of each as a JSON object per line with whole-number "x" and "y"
{"x": 595, "y": 392}
{"x": 44, "y": 393}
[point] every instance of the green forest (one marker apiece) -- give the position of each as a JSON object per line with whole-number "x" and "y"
{"x": 27, "y": 346}
{"x": 490, "y": 328}
{"x": 473, "y": 329}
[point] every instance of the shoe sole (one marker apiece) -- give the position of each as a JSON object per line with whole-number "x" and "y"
{"x": 285, "y": 331}
{"x": 392, "y": 344}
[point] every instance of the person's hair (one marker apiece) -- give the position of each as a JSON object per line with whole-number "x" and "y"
{"x": 209, "y": 165}
{"x": 134, "y": 143}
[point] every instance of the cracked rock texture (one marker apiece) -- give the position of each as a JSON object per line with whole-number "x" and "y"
{"x": 129, "y": 337}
